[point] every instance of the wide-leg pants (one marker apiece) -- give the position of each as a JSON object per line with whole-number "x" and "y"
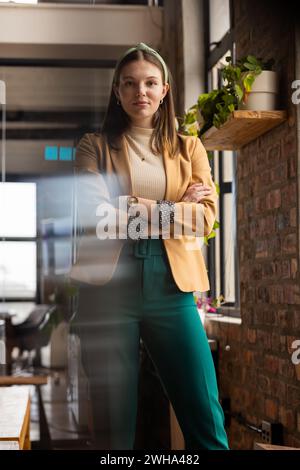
{"x": 143, "y": 301}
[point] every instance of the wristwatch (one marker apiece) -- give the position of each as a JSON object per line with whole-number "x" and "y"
{"x": 131, "y": 201}
{"x": 133, "y": 232}
{"x": 166, "y": 211}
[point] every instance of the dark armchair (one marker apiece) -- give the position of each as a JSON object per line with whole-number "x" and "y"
{"x": 34, "y": 332}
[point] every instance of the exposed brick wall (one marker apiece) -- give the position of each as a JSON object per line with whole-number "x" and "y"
{"x": 257, "y": 372}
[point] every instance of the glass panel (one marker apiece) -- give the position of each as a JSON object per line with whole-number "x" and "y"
{"x": 48, "y": 109}
{"x": 229, "y": 237}
{"x": 17, "y": 209}
{"x": 17, "y": 269}
{"x": 57, "y": 89}
{"x": 219, "y": 20}
{"x": 56, "y": 246}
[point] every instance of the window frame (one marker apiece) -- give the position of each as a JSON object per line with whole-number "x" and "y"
{"x": 14, "y": 178}
{"x": 212, "y": 57}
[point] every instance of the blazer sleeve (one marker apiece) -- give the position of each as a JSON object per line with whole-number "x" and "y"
{"x": 201, "y": 173}
{"x": 90, "y": 186}
{"x": 91, "y": 191}
{"x": 203, "y": 213}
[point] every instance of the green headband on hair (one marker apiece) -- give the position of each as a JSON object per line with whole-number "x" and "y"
{"x": 143, "y": 47}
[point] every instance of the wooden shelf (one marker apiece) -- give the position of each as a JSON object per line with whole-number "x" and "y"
{"x": 23, "y": 379}
{"x": 241, "y": 128}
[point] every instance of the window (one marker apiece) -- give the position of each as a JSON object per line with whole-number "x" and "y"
{"x": 18, "y": 241}
{"x": 223, "y": 259}
{"x": 219, "y": 21}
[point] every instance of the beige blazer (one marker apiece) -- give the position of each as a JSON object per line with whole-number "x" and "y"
{"x": 103, "y": 174}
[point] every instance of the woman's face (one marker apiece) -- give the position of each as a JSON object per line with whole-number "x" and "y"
{"x": 140, "y": 90}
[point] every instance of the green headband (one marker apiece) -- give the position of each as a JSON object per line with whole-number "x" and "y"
{"x": 143, "y": 47}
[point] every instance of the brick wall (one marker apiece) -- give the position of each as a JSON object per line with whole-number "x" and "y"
{"x": 257, "y": 372}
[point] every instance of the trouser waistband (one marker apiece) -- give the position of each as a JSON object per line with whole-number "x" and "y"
{"x": 144, "y": 248}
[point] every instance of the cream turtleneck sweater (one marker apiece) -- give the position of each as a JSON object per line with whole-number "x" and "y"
{"x": 147, "y": 170}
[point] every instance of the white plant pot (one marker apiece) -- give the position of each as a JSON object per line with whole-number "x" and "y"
{"x": 264, "y": 93}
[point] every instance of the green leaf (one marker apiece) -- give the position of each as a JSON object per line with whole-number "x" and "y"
{"x": 239, "y": 92}
{"x": 252, "y": 59}
{"x": 189, "y": 119}
{"x": 250, "y": 66}
{"x": 211, "y": 235}
{"x": 248, "y": 81}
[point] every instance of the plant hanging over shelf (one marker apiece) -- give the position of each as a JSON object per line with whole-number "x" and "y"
{"x": 214, "y": 108}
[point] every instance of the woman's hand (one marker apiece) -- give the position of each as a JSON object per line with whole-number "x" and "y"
{"x": 196, "y": 193}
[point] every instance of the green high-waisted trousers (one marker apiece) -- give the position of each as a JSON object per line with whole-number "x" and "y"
{"x": 143, "y": 300}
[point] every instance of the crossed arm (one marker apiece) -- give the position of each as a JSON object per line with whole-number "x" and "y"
{"x": 92, "y": 192}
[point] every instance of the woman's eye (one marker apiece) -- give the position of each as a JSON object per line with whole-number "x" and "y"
{"x": 129, "y": 83}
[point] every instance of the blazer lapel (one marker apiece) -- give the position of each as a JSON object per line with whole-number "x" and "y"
{"x": 171, "y": 169}
{"x": 121, "y": 167}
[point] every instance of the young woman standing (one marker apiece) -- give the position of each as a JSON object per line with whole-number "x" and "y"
{"x": 141, "y": 286}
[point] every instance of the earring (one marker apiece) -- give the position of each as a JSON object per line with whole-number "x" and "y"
{"x": 161, "y": 101}
{"x": 118, "y": 102}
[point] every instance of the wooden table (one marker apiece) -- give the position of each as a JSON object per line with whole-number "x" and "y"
{"x": 15, "y": 417}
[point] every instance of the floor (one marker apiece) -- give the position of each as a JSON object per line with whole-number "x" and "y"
{"x": 63, "y": 431}
{"x": 60, "y": 429}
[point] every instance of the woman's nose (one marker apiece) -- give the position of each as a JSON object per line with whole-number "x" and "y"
{"x": 141, "y": 90}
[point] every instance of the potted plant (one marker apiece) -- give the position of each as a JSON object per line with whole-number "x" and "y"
{"x": 214, "y": 108}
{"x": 263, "y": 90}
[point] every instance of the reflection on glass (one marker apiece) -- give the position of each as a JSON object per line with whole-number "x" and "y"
{"x": 18, "y": 269}
{"x": 17, "y": 210}
{"x": 56, "y": 246}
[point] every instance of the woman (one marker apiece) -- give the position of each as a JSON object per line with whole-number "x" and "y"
{"x": 139, "y": 281}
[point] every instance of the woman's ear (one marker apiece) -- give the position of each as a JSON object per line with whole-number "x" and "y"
{"x": 116, "y": 92}
{"x": 166, "y": 88}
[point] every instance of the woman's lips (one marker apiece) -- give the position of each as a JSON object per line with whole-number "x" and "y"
{"x": 141, "y": 104}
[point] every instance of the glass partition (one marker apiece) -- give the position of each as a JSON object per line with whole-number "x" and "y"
{"x": 44, "y": 113}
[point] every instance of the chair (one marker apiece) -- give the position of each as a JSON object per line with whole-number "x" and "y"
{"x": 35, "y": 331}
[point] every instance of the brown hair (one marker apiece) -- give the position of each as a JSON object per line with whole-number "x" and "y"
{"x": 116, "y": 120}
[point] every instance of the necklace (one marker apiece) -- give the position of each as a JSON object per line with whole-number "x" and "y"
{"x": 138, "y": 151}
